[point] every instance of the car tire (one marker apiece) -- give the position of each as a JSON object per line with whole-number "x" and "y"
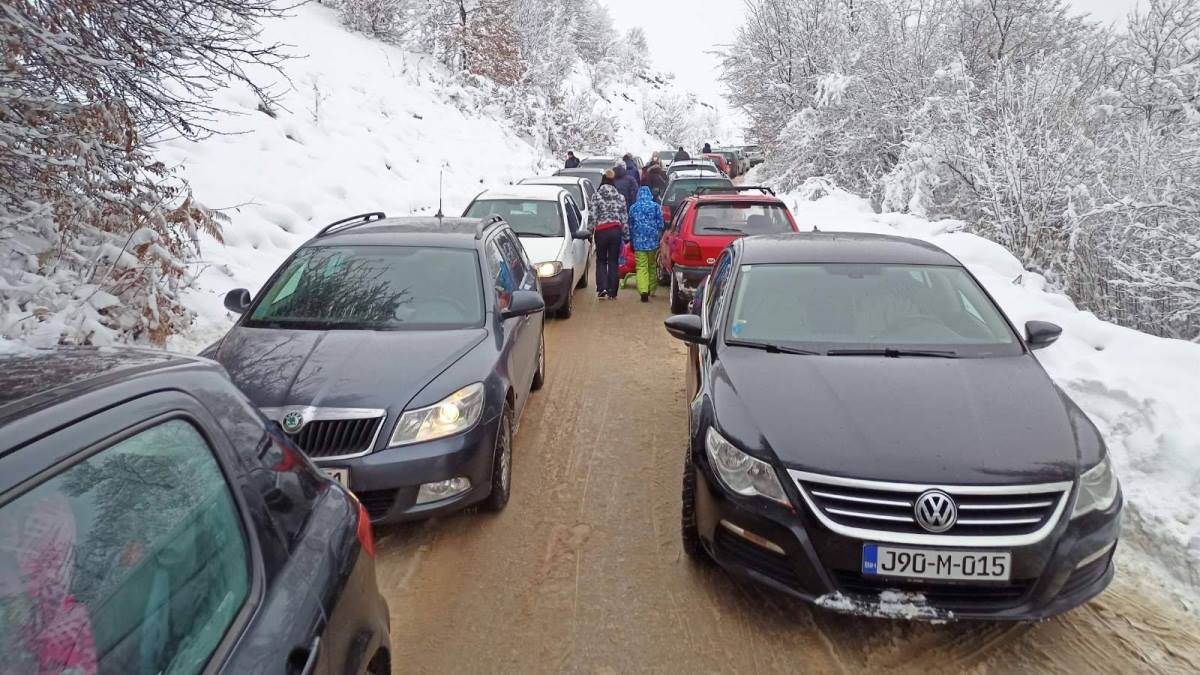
{"x": 568, "y": 307}
{"x": 501, "y": 464}
{"x": 583, "y": 280}
{"x": 679, "y": 303}
{"x": 688, "y": 531}
{"x": 539, "y": 377}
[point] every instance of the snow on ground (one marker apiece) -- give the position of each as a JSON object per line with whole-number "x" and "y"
{"x": 1143, "y": 392}
{"x": 364, "y": 127}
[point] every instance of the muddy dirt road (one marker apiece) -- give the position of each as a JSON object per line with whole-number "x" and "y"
{"x": 584, "y": 571}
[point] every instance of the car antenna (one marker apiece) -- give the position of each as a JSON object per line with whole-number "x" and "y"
{"x": 439, "y": 214}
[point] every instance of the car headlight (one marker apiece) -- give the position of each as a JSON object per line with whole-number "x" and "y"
{"x": 548, "y": 269}
{"x": 454, "y": 414}
{"x": 740, "y": 472}
{"x": 1097, "y": 489}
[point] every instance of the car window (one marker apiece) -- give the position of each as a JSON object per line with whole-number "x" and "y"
{"x": 373, "y": 288}
{"x": 741, "y": 218}
{"x": 852, "y": 306}
{"x": 574, "y": 217}
{"x": 717, "y": 283}
{"x": 681, "y": 189}
{"x": 515, "y": 257}
{"x": 527, "y": 217}
{"x": 131, "y": 561}
{"x": 591, "y": 190}
{"x": 501, "y": 275}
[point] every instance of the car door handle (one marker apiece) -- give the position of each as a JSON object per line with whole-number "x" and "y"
{"x": 310, "y": 663}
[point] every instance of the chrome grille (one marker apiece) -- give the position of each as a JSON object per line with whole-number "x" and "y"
{"x": 334, "y": 438}
{"x": 330, "y": 433}
{"x": 992, "y": 515}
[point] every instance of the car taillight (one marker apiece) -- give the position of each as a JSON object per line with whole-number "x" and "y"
{"x": 691, "y": 251}
{"x": 365, "y": 536}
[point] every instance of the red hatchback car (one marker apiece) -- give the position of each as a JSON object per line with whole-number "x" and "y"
{"x": 719, "y": 160}
{"x": 705, "y": 224}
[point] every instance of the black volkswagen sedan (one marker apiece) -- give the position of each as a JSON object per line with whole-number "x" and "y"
{"x": 151, "y": 521}
{"x": 398, "y": 353}
{"x": 870, "y": 433}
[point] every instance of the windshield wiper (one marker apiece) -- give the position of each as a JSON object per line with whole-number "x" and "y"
{"x": 772, "y": 348}
{"x": 719, "y": 228}
{"x": 892, "y": 352}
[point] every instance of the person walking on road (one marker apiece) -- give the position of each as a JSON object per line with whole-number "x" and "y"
{"x": 707, "y": 149}
{"x": 645, "y": 228}
{"x": 656, "y": 179}
{"x": 572, "y": 160}
{"x": 612, "y": 229}
{"x": 626, "y": 184}
{"x": 631, "y": 168}
{"x": 682, "y": 155}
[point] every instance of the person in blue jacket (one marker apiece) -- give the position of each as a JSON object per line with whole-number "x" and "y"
{"x": 645, "y": 230}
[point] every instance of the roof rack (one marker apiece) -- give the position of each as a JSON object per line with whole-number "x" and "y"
{"x": 352, "y": 221}
{"x": 487, "y": 223}
{"x": 734, "y": 190}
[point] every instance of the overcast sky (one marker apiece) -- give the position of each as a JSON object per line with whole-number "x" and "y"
{"x": 682, "y": 31}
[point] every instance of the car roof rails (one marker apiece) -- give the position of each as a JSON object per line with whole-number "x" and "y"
{"x": 486, "y": 224}
{"x": 734, "y": 190}
{"x": 352, "y": 221}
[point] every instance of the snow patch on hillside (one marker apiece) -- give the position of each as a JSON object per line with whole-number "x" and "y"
{"x": 365, "y": 126}
{"x": 1142, "y": 391}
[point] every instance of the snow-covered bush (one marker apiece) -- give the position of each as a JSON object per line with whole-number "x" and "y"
{"x": 95, "y": 234}
{"x": 386, "y": 19}
{"x": 1075, "y": 146}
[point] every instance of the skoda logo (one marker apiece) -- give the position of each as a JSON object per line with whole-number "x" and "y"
{"x": 293, "y": 421}
{"x": 935, "y": 511}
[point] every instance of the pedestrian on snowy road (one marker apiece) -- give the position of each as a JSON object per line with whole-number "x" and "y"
{"x": 612, "y": 228}
{"x": 682, "y": 155}
{"x": 626, "y": 184}
{"x": 631, "y": 167}
{"x": 645, "y": 228}
{"x": 572, "y": 160}
{"x": 656, "y": 179}
{"x": 707, "y": 149}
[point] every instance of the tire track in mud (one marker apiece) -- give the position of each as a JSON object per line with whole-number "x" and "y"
{"x": 584, "y": 572}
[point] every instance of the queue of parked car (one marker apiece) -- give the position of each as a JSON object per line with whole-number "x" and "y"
{"x": 866, "y": 427}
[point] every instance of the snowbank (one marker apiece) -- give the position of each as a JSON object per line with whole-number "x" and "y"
{"x": 1143, "y": 392}
{"x": 364, "y": 127}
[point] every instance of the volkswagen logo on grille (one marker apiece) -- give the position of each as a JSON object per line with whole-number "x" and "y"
{"x": 293, "y": 421}
{"x": 935, "y": 511}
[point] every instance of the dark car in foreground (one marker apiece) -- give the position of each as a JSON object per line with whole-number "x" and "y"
{"x": 399, "y": 354}
{"x": 870, "y": 433}
{"x": 152, "y": 521}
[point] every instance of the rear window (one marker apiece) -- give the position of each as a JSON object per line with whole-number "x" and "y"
{"x": 374, "y": 288}
{"x": 572, "y": 188}
{"x": 679, "y": 190}
{"x": 528, "y": 218}
{"x": 741, "y": 219}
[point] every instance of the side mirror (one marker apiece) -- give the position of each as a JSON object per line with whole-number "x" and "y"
{"x": 583, "y": 233}
{"x": 237, "y": 300}
{"x": 524, "y": 303}
{"x": 1039, "y": 334}
{"x": 686, "y": 327}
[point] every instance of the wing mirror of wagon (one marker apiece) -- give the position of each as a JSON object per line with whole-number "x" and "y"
{"x": 237, "y": 300}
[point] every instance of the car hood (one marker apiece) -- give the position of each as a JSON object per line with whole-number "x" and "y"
{"x": 339, "y": 368}
{"x": 908, "y": 419}
{"x": 542, "y": 249}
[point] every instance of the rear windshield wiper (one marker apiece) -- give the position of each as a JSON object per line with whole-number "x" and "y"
{"x": 772, "y": 348}
{"x": 718, "y": 228}
{"x": 892, "y": 352}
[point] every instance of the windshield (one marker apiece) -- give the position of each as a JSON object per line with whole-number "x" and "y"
{"x": 373, "y": 288}
{"x": 605, "y": 162}
{"x": 741, "y": 218}
{"x": 679, "y": 190}
{"x": 528, "y": 218}
{"x": 855, "y": 306}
